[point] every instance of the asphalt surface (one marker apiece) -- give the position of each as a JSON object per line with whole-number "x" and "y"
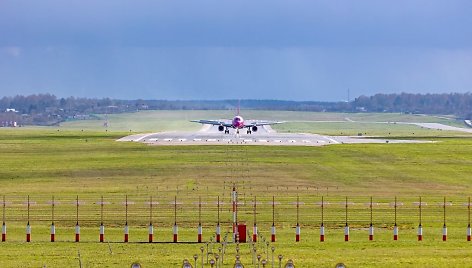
{"x": 264, "y": 136}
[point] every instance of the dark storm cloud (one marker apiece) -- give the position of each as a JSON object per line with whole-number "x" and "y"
{"x": 230, "y": 49}
{"x": 237, "y": 23}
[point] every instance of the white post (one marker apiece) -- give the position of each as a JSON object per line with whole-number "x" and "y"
{"x": 176, "y": 232}
{"x": 28, "y": 232}
{"x": 346, "y": 233}
{"x": 322, "y": 233}
{"x": 200, "y": 232}
{"x": 420, "y": 233}
{"x": 77, "y": 233}
{"x": 297, "y": 233}
{"x": 126, "y": 231}
{"x": 371, "y": 232}
{"x": 53, "y": 233}
{"x": 4, "y": 232}
{"x": 395, "y": 232}
{"x": 151, "y": 233}
{"x": 102, "y": 233}
{"x": 444, "y": 233}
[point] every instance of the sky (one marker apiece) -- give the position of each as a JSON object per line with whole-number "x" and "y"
{"x": 217, "y": 49}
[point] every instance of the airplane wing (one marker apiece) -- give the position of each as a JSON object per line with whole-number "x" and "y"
{"x": 213, "y": 122}
{"x": 262, "y": 123}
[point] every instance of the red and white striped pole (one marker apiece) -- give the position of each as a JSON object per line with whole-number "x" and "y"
{"x": 28, "y": 232}
{"x": 371, "y": 232}
{"x": 126, "y": 231}
{"x": 151, "y": 233}
{"x": 199, "y": 228}
{"x": 200, "y": 231}
{"x": 420, "y": 228}
{"x": 395, "y": 232}
{"x": 346, "y": 233}
{"x": 272, "y": 229}
{"x": 4, "y": 226}
{"x": 218, "y": 233}
{"x": 254, "y": 228}
{"x": 235, "y": 215}
{"x": 469, "y": 233}
{"x": 322, "y": 233}
{"x": 77, "y": 232}
{"x": 395, "y": 227}
{"x": 102, "y": 227}
{"x": 102, "y": 233}
{"x": 53, "y": 228}
{"x": 254, "y": 233}
{"x": 297, "y": 228}
{"x": 444, "y": 233}
{"x": 420, "y": 233}
{"x": 346, "y": 228}
{"x": 371, "y": 227}
{"x": 444, "y": 230}
{"x": 4, "y": 232}
{"x": 77, "y": 227}
{"x": 297, "y": 233}
{"x": 175, "y": 230}
{"x": 322, "y": 229}
{"x": 53, "y": 232}
{"x": 272, "y": 234}
{"x": 218, "y": 229}
{"x": 28, "y": 227}
{"x": 151, "y": 227}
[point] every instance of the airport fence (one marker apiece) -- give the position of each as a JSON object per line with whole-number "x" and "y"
{"x": 165, "y": 211}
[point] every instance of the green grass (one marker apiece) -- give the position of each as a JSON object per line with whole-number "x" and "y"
{"x": 152, "y": 121}
{"x": 44, "y": 162}
{"x": 356, "y": 253}
{"x": 364, "y": 129}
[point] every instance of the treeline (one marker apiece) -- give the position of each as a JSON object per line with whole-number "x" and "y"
{"x": 459, "y": 104}
{"x": 47, "y": 109}
{"x": 47, "y": 103}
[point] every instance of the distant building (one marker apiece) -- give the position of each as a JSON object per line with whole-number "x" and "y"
{"x": 9, "y": 124}
{"x": 11, "y": 110}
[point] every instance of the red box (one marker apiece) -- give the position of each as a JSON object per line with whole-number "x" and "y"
{"x": 242, "y": 233}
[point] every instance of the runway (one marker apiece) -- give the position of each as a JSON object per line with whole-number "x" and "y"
{"x": 264, "y": 136}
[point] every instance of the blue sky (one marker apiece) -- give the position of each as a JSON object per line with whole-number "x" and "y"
{"x": 213, "y": 49}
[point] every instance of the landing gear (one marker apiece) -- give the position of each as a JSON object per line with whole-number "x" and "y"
{"x": 237, "y": 131}
{"x": 226, "y": 131}
{"x": 249, "y": 131}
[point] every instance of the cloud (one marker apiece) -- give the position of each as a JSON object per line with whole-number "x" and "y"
{"x": 12, "y": 51}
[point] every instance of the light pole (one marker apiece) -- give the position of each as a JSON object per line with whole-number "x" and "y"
{"x": 195, "y": 257}
{"x": 202, "y": 249}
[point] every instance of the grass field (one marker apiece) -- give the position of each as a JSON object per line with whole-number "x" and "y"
{"x": 66, "y": 163}
{"x": 322, "y": 123}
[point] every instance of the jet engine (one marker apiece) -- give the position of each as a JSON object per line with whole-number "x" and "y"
{"x": 221, "y": 128}
{"x": 254, "y": 129}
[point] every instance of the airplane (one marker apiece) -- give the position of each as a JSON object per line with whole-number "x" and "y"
{"x": 236, "y": 123}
